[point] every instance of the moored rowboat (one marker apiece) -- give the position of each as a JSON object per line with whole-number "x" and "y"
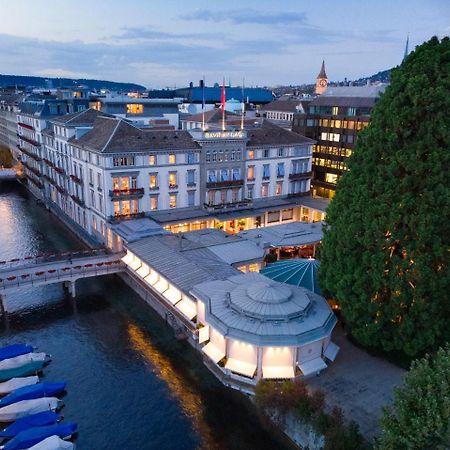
{"x": 16, "y": 383}
{"x": 26, "y": 407}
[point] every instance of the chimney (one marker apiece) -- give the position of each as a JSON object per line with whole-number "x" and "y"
{"x": 201, "y": 83}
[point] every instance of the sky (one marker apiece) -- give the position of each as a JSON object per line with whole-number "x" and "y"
{"x": 167, "y": 43}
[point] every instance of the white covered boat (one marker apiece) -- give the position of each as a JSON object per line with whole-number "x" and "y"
{"x": 27, "y": 407}
{"x": 16, "y": 383}
{"x": 19, "y": 361}
{"x": 53, "y": 443}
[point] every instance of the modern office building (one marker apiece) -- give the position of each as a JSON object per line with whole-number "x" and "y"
{"x": 333, "y": 120}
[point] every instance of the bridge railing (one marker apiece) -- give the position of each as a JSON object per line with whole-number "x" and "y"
{"x": 61, "y": 274}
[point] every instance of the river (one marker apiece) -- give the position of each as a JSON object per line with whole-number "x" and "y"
{"x": 130, "y": 383}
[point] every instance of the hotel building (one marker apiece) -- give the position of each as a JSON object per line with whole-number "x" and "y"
{"x": 333, "y": 120}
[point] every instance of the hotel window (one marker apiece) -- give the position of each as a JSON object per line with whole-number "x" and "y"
{"x": 266, "y": 153}
{"x": 172, "y": 179}
{"x": 191, "y": 177}
{"x": 154, "y": 202}
{"x": 134, "y": 206}
{"x": 334, "y": 110}
{"x": 238, "y": 155}
{"x": 351, "y": 111}
{"x": 251, "y": 173}
{"x": 191, "y": 198}
{"x": 249, "y": 192}
{"x": 223, "y": 175}
{"x": 92, "y": 198}
{"x": 91, "y": 177}
{"x": 250, "y": 154}
{"x": 153, "y": 181}
{"x": 281, "y": 152}
{"x": 235, "y": 195}
{"x": 152, "y": 160}
{"x": 236, "y": 174}
{"x": 99, "y": 180}
{"x": 223, "y": 196}
{"x": 279, "y": 188}
{"x": 116, "y": 208}
{"x": 233, "y": 155}
{"x": 287, "y": 214}
{"x": 273, "y": 216}
{"x": 220, "y": 156}
{"x": 280, "y": 170}
{"x": 172, "y": 158}
{"x": 135, "y": 108}
{"x": 208, "y": 157}
{"x": 214, "y": 156}
{"x": 264, "y": 190}
{"x": 172, "y": 201}
{"x": 211, "y": 197}
{"x": 225, "y": 157}
{"x": 191, "y": 158}
{"x": 100, "y": 202}
{"x": 266, "y": 171}
{"x": 133, "y": 182}
{"x": 212, "y": 176}
{"x": 123, "y": 161}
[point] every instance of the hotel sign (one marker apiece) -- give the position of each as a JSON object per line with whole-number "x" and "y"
{"x": 224, "y": 134}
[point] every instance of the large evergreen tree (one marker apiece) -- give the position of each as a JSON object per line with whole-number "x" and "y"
{"x": 385, "y": 250}
{"x": 420, "y": 416}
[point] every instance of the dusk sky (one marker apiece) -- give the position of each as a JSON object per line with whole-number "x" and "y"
{"x": 169, "y": 43}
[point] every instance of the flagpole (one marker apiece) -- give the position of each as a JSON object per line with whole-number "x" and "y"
{"x": 203, "y": 104}
{"x": 223, "y": 104}
{"x": 242, "y": 104}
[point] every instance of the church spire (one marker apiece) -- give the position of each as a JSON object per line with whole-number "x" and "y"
{"x": 322, "y": 73}
{"x": 406, "y": 48}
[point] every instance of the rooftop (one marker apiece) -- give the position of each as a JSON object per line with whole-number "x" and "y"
{"x": 270, "y": 134}
{"x": 284, "y": 106}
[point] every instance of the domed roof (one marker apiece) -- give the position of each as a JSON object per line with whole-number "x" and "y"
{"x": 268, "y": 292}
{"x": 298, "y": 272}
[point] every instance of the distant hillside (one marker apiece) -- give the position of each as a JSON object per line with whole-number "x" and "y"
{"x": 29, "y": 81}
{"x": 384, "y": 76}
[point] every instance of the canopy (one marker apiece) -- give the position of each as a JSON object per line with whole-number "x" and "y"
{"x": 214, "y": 353}
{"x": 187, "y": 307}
{"x": 331, "y": 351}
{"x": 11, "y": 351}
{"x": 241, "y": 367}
{"x": 278, "y": 372}
{"x": 298, "y": 272}
{"x": 312, "y": 366}
{"x": 35, "y": 420}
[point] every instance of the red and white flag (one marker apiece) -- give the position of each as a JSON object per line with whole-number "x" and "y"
{"x": 222, "y": 104}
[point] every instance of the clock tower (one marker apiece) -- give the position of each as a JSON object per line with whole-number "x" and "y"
{"x": 321, "y": 80}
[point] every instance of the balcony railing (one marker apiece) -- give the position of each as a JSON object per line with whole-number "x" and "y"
{"x": 119, "y": 217}
{"x": 30, "y": 141}
{"x": 76, "y": 179}
{"x": 35, "y": 182}
{"x": 300, "y": 175}
{"x": 48, "y": 162}
{"x": 222, "y": 184}
{"x": 77, "y": 200}
{"x": 24, "y": 125}
{"x": 60, "y": 170}
{"x": 30, "y": 154}
{"x": 123, "y": 193}
{"x": 32, "y": 169}
{"x": 241, "y": 204}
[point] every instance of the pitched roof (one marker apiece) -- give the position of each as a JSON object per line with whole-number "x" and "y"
{"x": 283, "y": 106}
{"x": 113, "y": 135}
{"x": 212, "y": 116}
{"x": 85, "y": 117}
{"x": 270, "y": 134}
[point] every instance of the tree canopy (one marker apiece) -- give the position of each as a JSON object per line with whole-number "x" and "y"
{"x": 384, "y": 255}
{"x": 420, "y": 415}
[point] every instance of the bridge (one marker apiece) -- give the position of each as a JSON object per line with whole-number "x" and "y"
{"x": 64, "y": 268}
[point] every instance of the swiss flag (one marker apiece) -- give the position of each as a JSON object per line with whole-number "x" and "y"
{"x": 222, "y": 98}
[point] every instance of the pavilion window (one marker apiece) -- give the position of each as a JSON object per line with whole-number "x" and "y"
{"x": 223, "y": 175}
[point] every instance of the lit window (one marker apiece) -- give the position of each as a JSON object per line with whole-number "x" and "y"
{"x": 153, "y": 181}
{"x": 264, "y": 190}
{"x": 172, "y": 158}
{"x": 172, "y": 179}
{"x": 335, "y": 110}
{"x": 135, "y": 108}
{"x": 152, "y": 160}
{"x": 251, "y": 173}
{"x": 279, "y": 188}
{"x": 173, "y": 201}
{"x": 153, "y": 203}
{"x": 250, "y": 154}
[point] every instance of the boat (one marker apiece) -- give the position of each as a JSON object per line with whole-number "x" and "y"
{"x": 53, "y": 443}
{"x": 28, "y": 369}
{"x": 35, "y": 420}
{"x": 15, "y": 383}
{"x": 10, "y": 351}
{"x": 34, "y": 391}
{"x": 21, "y": 360}
{"x": 26, "y": 407}
{"x": 28, "y": 438}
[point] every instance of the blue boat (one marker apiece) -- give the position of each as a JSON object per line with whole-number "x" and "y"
{"x": 27, "y": 369}
{"x": 32, "y": 436}
{"x": 35, "y": 420}
{"x": 34, "y": 391}
{"x": 14, "y": 350}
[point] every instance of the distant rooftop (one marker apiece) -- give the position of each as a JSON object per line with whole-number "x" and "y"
{"x": 371, "y": 90}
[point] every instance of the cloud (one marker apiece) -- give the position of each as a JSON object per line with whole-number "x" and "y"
{"x": 148, "y": 33}
{"x": 247, "y": 15}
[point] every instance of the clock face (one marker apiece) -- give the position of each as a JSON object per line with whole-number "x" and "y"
{"x": 323, "y": 83}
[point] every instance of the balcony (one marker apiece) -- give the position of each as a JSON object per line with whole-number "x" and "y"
{"x": 75, "y": 179}
{"x": 242, "y": 204}
{"x": 48, "y": 162}
{"x": 77, "y": 200}
{"x": 224, "y": 184}
{"x": 35, "y": 182}
{"x": 32, "y": 169}
{"x": 60, "y": 170}
{"x": 126, "y": 193}
{"x": 24, "y": 125}
{"x": 61, "y": 190}
{"x": 30, "y": 141}
{"x": 300, "y": 175}
{"x": 119, "y": 217}
{"x": 30, "y": 154}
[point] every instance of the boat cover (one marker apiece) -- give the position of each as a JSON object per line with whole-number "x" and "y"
{"x": 16, "y": 383}
{"x": 32, "y": 436}
{"x": 53, "y": 443}
{"x": 11, "y": 351}
{"x": 35, "y": 420}
{"x": 34, "y": 391}
{"x": 27, "y": 369}
{"x": 26, "y": 407}
{"x": 21, "y": 360}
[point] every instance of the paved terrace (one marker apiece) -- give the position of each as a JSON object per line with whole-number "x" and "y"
{"x": 358, "y": 383}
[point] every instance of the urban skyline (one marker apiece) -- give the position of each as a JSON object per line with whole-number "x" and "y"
{"x": 160, "y": 45}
